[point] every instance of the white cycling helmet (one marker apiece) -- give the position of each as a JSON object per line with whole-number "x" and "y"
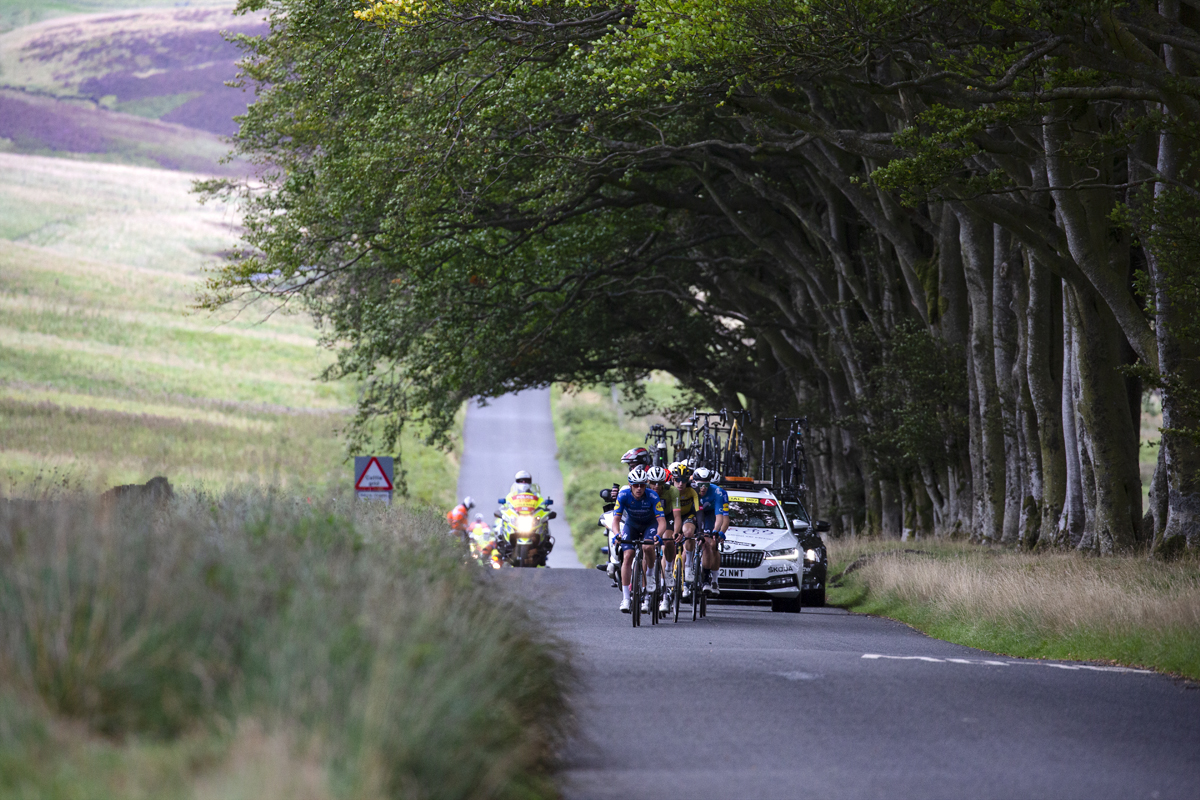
{"x": 637, "y": 475}
{"x": 522, "y": 477}
{"x": 703, "y": 475}
{"x": 479, "y": 519}
{"x": 656, "y": 475}
{"x": 468, "y": 503}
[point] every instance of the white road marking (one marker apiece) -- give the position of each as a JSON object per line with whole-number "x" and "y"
{"x": 1014, "y": 663}
{"x": 797, "y": 676}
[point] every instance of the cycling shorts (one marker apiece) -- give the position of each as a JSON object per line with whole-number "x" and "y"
{"x": 632, "y": 532}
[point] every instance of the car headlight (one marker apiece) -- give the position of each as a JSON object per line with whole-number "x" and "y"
{"x": 525, "y": 524}
{"x": 810, "y": 555}
{"x": 790, "y": 553}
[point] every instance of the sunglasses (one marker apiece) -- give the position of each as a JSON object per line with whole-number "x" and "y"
{"x": 636, "y": 485}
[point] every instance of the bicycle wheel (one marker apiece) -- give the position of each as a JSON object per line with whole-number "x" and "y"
{"x": 635, "y": 589}
{"x": 655, "y": 596}
{"x": 677, "y": 585}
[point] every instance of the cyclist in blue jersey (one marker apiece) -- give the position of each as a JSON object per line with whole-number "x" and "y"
{"x": 638, "y": 516}
{"x": 714, "y": 517}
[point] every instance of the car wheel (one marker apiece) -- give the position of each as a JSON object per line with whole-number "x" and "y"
{"x": 787, "y": 605}
{"x": 813, "y": 597}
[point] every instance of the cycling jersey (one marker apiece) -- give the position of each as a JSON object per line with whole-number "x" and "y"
{"x": 688, "y": 502}
{"x": 639, "y": 518}
{"x": 648, "y": 509}
{"x": 714, "y": 502}
{"x": 670, "y": 498}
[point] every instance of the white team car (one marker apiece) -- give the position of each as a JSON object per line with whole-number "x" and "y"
{"x": 762, "y": 558}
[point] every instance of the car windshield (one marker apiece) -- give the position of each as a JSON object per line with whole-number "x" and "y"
{"x": 762, "y": 512}
{"x": 794, "y": 510}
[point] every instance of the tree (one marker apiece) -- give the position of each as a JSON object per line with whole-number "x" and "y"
{"x": 874, "y": 212}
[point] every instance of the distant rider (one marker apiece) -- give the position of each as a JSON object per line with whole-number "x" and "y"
{"x": 457, "y": 517}
{"x": 483, "y": 540}
{"x": 638, "y": 516}
{"x": 714, "y": 516}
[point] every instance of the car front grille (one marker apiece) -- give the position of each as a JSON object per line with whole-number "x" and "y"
{"x": 742, "y": 559}
{"x": 757, "y": 584}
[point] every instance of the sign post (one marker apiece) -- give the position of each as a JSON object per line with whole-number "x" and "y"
{"x": 373, "y": 478}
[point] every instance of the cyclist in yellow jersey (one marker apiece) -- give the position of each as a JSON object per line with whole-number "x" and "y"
{"x": 688, "y": 506}
{"x": 680, "y": 502}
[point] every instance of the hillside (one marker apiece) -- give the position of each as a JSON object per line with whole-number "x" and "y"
{"x": 106, "y": 378}
{"x": 138, "y": 86}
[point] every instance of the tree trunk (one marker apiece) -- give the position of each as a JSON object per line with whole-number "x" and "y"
{"x": 1069, "y": 530}
{"x": 976, "y": 239}
{"x": 1044, "y": 376}
{"x": 1178, "y": 363}
{"x": 1111, "y": 438}
{"x": 1007, "y": 271}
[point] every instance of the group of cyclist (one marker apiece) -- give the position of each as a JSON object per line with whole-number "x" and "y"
{"x": 673, "y": 506}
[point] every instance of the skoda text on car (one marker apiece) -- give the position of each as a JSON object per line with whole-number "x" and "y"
{"x": 762, "y": 558}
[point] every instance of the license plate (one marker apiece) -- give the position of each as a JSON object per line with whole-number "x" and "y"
{"x": 730, "y": 573}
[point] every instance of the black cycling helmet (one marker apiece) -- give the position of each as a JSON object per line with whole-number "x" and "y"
{"x": 637, "y": 456}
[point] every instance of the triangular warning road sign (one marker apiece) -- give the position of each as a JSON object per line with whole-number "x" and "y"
{"x": 373, "y": 478}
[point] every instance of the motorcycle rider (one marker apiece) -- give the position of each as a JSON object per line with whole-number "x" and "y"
{"x": 714, "y": 508}
{"x": 639, "y": 512}
{"x": 484, "y": 542}
{"x": 523, "y": 484}
{"x": 457, "y": 517}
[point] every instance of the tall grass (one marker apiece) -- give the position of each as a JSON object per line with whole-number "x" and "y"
{"x": 1060, "y": 605}
{"x": 352, "y": 640}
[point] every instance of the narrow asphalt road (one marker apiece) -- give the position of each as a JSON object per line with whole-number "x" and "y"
{"x": 827, "y": 704}
{"x": 822, "y": 704}
{"x": 511, "y": 433}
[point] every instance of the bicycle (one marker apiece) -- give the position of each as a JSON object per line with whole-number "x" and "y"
{"x": 637, "y": 585}
{"x": 677, "y": 578}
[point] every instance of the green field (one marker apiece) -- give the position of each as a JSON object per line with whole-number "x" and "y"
{"x": 109, "y": 376}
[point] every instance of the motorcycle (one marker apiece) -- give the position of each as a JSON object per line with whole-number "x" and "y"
{"x": 612, "y": 566}
{"x": 483, "y": 547}
{"x": 524, "y": 516}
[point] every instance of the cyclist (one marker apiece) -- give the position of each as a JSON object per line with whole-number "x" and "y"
{"x": 637, "y": 457}
{"x": 714, "y": 507}
{"x": 639, "y": 512}
{"x": 457, "y": 517}
{"x": 680, "y": 509}
{"x": 687, "y": 505}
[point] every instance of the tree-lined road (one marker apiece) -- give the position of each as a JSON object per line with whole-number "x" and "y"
{"x": 824, "y": 704}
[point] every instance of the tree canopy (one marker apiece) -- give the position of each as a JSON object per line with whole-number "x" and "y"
{"x": 957, "y": 235}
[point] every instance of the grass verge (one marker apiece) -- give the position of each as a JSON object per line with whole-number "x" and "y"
{"x": 1124, "y": 610}
{"x": 259, "y": 646}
